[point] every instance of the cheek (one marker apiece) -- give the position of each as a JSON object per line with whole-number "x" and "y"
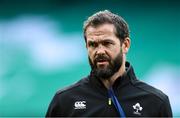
{"x": 90, "y": 54}
{"x": 115, "y": 53}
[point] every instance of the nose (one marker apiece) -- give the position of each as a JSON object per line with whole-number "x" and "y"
{"x": 100, "y": 50}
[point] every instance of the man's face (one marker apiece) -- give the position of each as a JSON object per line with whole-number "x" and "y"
{"x": 104, "y": 50}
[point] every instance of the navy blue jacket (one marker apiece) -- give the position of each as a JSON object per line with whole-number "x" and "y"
{"x": 89, "y": 97}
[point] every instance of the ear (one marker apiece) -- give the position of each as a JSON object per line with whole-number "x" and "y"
{"x": 126, "y": 45}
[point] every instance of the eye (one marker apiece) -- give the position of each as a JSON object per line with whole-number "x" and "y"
{"x": 107, "y": 43}
{"x": 92, "y": 44}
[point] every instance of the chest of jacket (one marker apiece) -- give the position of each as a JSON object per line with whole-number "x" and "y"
{"x": 91, "y": 102}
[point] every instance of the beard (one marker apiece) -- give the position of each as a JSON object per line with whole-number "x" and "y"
{"x": 108, "y": 71}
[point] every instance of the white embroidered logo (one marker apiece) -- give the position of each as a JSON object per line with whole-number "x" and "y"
{"x": 137, "y": 108}
{"x": 80, "y": 105}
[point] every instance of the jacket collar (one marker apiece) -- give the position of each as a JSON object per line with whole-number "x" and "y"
{"x": 128, "y": 76}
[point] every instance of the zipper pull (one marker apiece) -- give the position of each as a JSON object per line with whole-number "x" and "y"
{"x": 109, "y": 101}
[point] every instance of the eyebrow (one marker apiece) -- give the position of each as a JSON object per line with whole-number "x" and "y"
{"x": 108, "y": 40}
{"x": 104, "y": 40}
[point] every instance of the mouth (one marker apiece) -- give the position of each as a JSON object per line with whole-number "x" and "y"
{"x": 102, "y": 62}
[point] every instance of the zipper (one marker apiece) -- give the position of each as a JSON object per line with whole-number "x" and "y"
{"x": 109, "y": 101}
{"x": 113, "y": 99}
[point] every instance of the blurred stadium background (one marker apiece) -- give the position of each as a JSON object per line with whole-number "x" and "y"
{"x": 42, "y": 48}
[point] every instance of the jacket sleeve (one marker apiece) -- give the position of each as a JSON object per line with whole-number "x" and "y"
{"x": 54, "y": 108}
{"x": 166, "y": 110}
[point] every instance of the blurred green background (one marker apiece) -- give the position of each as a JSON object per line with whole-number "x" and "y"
{"x": 42, "y": 48}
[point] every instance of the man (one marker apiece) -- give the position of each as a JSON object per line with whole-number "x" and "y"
{"x": 112, "y": 88}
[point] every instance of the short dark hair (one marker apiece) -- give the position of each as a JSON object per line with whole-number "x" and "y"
{"x": 102, "y": 17}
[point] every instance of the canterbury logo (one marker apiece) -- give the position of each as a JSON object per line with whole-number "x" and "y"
{"x": 80, "y": 105}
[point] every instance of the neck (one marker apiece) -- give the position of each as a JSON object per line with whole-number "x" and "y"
{"x": 109, "y": 82}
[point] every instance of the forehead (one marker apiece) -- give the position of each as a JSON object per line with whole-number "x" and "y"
{"x": 105, "y": 30}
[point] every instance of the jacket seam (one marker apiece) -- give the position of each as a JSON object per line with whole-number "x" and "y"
{"x": 159, "y": 97}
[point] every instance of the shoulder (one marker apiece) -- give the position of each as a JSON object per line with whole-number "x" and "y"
{"x": 142, "y": 86}
{"x": 81, "y": 83}
{"x": 65, "y": 96}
